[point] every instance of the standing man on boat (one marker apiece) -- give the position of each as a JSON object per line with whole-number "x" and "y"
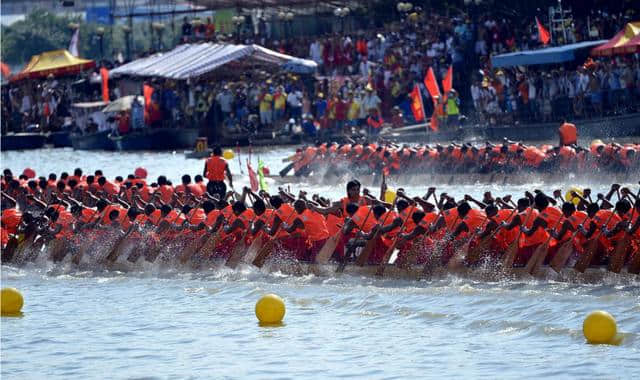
{"x": 215, "y": 169}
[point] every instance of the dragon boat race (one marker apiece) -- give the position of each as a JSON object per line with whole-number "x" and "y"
{"x": 278, "y": 189}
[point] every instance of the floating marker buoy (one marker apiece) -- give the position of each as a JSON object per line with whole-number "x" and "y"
{"x": 11, "y": 302}
{"x": 600, "y": 328}
{"x": 270, "y": 309}
{"x": 228, "y": 154}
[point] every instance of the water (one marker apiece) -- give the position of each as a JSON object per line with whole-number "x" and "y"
{"x": 84, "y": 324}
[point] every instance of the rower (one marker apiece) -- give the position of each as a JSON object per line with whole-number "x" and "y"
{"x": 312, "y": 226}
{"x": 215, "y": 169}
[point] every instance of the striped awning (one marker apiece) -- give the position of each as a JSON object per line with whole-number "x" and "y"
{"x": 194, "y": 60}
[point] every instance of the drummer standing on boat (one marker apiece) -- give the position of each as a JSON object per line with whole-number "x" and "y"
{"x": 215, "y": 169}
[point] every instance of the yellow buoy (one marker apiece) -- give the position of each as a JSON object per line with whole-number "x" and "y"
{"x": 228, "y": 154}
{"x": 11, "y": 302}
{"x": 570, "y": 198}
{"x": 270, "y": 309}
{"x": 600, "y": 328}
{"x": 389, "y": 196}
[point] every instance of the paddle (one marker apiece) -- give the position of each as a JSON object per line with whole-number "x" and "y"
{"x": 363, "y": 258}
{"x": 117, "y": 246}
{"x": 620, "y": 253}
{"x": 539, "y": 255}
{"x": 562, "y": 255}
{"x": 483, "y": 245}
{"x": 254, "y": 248}
{"x": 328, "y": 248}
{"x": 592, "y": 246}
{"x": 392, "y": 247}
{"x": 163, "y": 226}
{"x": 446, "y": 240}
{"x": 345, "y": 259}
{"x": 510, "y": 255}
{"x": 265, "y": 250}
{"x": 240, "y": 249}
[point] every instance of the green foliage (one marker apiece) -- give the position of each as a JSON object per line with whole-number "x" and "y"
{"x": 42, "y": 31}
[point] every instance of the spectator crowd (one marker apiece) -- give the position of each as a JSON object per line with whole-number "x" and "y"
{"x": 365, "y": 77}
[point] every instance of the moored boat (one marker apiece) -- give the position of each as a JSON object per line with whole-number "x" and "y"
{"x": 60, "y": 139}
{"x": 21, "y": 141}
{"x": 156, "y": 139}
{"x": 92, "y": 141}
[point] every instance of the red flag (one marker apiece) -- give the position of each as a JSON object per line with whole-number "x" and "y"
{"x": 6, "y": 70}
{"x": 147, "y": 92}
{"x": 447, "y": 82}
{"x": 432, "y": 84}
{"x": 104, "y": 73}
{"x": 253, "y": 179}
{"x": 543, "y": 34}
{"x": 416, "y": 104}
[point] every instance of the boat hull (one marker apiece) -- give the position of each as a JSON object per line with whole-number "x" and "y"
{"x": 94, "y": 141}
{"x": 22, "y": 141}
{"x": 60, "y": 139}
{"x": 156, "y": 139}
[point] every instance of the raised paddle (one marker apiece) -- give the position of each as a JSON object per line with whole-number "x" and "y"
{"x": 539, "y": 255}
{"x": 592, "y": 246}
{"x": 622, "y": 247}
{"x": 562, "y": 255}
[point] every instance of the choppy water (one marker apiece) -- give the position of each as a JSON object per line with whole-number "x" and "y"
{"x": 201, "y": 325}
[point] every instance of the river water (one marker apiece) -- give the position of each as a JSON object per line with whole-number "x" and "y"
{"x": 162, "y": 324}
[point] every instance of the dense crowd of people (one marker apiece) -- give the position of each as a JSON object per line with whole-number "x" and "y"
{"x": 365, "y": 76}
{"x": 130, "y": 218}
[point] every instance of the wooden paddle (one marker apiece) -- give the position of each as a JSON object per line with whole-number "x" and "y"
{"x": 117, "y": 246}
{"x": 540, "y": 254}
{"x": 562, "y": 255}
{"x": 345, "y": 260}
{"x": 389, "y": 252}
{"x": 483, "y": 245}
{"x": 240, "y": 249}
{"x": 328, "y": 248}
{"x": 510, "y": 255}
{"x": 254, "y": 248}
{"x": 592, "y": 246}
{"x": 363, "y": 258}
{"x": 264, "y": 252}
{"x": 620, "y": 253}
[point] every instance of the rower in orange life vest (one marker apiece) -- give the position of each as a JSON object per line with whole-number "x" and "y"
{"x": 215, "y": 169}
{"x": 312, "y": 226}
{"x": 535, "y": 233}
{"x": 568, "y": 134}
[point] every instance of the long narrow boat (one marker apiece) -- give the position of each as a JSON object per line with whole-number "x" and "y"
{"x": 616, "y": 126}
{"x": 517, "y": 178}
{"x": 156, "y": 139}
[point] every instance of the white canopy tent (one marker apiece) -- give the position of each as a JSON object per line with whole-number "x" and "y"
{"x": 194, "y": 60}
